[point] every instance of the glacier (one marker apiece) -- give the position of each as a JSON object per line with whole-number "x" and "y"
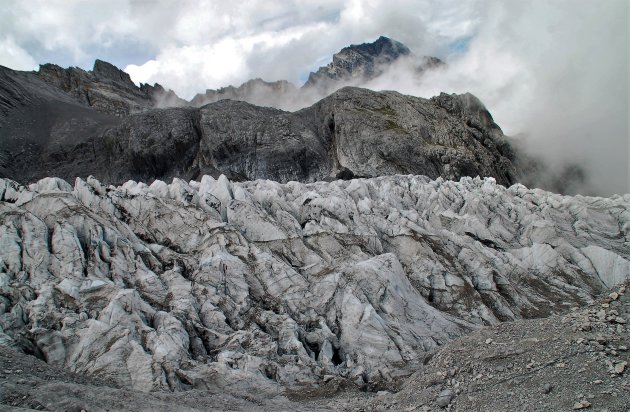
{"x": 279, "y": 286}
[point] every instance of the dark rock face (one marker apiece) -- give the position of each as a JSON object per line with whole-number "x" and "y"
{"x": 356, "y": 133}
{"x": 160, "y": 142}
{"x": 106, "y": 88}
{"x": 353, "y": 132}
{"x": 389, "y": 133}
{"x": 43, "y": 129}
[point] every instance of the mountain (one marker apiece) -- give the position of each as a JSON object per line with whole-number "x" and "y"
{"x": 110, "y": 90}
{"x": 354, "y": 65}
{"x": 39, "y": 120}
{"x": 107, "y": 88}
{"x": 47, "y": 130}
{"x": 344, "y": 256}
{"x": 263, "y": 291}
{"x": 358, "y": 64}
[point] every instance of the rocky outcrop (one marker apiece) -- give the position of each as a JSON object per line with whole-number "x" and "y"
{"x": 353, "y": 132}
{"x": 268, "y": 287}
{"x": 107, "y": 88}
{"x": 357, "y": 64}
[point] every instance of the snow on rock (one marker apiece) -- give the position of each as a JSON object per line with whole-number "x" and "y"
{"x": 267, "y": 285}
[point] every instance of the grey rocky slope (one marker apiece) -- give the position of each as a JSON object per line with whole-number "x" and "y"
{"x": 578, "y": 361}
{"x": 353, "y": 132}
{"x": 273, "y": 288}
{"x": 107, "y": 89}
{"x": 41, "y": 124}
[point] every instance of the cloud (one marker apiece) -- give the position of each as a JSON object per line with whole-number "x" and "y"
{"x": 14, "y": 56}
{"x": 553, "y": 73}
{"x": 230, "y": 60}
{"x": 271, "y": 40}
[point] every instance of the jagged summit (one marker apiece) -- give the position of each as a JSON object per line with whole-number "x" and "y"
{"x": 383, "y": 46}
{"x": 104, "y": 70}
{"x": 106, "y": 88}
{"x": 358, "y": 61}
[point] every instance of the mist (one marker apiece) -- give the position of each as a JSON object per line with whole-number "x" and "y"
{"x": 556, "y": 81}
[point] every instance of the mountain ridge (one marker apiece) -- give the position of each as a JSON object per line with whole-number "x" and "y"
{"x": 353, "y": 65}
{"x": 109, "y": 89}
{"x": 352, "y": 132}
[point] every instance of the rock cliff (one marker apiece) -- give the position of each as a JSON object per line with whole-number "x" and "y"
{"x": 353, "y": 132}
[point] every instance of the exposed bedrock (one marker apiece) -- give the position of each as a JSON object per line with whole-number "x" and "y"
{"x": 352, "y": 133}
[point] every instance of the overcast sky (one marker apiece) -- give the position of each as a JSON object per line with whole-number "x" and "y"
{"x": 553, "y": 72}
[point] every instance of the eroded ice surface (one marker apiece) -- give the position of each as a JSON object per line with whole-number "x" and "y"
{"x": 268, "y": 285}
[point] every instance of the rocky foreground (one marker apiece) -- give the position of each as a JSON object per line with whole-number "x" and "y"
{"x": 270, "y": 293}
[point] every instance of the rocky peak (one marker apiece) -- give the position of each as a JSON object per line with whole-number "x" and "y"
{"x": 351, "y": 66}
{"x": 356, "y": 64}
{"x": 383, "y": 47}
{"x": 106, "y": 88}
{"x": 107, "y": 71}
{"x": 360, "y": 61}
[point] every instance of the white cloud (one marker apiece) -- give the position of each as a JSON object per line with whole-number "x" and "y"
{"x": 15, "y": 57}
{"x": 192, "y": 69}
